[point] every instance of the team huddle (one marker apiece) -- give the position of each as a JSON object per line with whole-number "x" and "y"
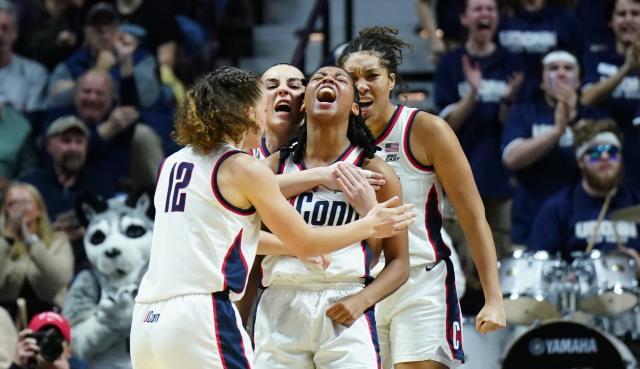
{"x": 341, "y": 193}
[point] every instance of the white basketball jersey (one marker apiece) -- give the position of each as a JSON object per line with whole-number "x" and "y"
{"x": 201, "y": 243}
{"x": 420, "y": 186}
{"x": 321, "y": 207}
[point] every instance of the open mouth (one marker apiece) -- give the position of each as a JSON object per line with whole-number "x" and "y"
{"x": 326, "y": 94}
{"x": 283, "y": 107}
{"x": 365, "y": 104}
{"x": 484, "y": 25}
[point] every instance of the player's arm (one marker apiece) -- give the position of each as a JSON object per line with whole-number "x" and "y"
{"x": 396, "y": 252}
{"x": 433, "y": 142}
{"x": 283, "y": 220}
{"x": 292, "y": 184}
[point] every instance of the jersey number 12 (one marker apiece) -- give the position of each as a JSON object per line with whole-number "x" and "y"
{"x": 179, "y": 179}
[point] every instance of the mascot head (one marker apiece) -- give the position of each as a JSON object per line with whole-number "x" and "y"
{"x": 118, "y": 235}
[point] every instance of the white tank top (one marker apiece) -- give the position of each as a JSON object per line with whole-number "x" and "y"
{"x": 201, "y": 243}
{"x": 321, "y": 207}
{"x": 420, "y": 186}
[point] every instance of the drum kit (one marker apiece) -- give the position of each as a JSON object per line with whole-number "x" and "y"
{"x": 564, "y": 314}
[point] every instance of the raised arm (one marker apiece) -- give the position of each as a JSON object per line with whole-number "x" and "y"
{"x": 433, "y": 142}
{"x": 598, "y": 92}
{"x": 282, "y": 219}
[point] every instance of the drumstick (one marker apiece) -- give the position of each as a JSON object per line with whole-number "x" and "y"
{"x": 603, "y": 211}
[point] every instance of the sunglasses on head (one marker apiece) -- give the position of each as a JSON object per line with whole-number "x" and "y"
{"x": 596, "y": 152}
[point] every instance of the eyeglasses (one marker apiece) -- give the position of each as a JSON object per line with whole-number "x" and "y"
{"x": 596, "y": 152}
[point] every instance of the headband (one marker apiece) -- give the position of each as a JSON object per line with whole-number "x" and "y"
{"x": 599, "y": 139}
{"x": 560, "y": 55}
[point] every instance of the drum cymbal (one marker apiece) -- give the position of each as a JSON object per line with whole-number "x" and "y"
{"x": 631, "y": 213}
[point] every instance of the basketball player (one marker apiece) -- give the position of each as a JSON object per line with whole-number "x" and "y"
{"x": 207, "y": 227}
{"x": 419, "y": 325}
{"x": 309, "y": 316}
{"x": 284, "y": 85}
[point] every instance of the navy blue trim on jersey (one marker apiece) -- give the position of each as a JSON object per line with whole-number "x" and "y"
{"x": 392, "y": 122}
{"x": 341, "y": 157}
{"x": 407, "y": 146}
{"x": 370, "y": 317}
{"x": 234, "y": 267}
{"x": 228, "y": 335}
{"x": 454, "y": 321}
{"x": 433, "y": 223}
{"x": 264, "y": 150}
{"x": 216, "y": 189}
{"x": 368, "y": 256}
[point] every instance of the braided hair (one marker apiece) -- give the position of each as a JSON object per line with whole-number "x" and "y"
{"x": 357, "y": 132}
{"x": 381, "y": 42}
{"x": 214, "y": 109}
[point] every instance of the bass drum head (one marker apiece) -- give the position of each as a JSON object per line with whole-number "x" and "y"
{"x": 564, "y": 344}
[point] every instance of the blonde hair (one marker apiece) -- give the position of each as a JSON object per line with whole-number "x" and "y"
{"x": 43, "y": 226}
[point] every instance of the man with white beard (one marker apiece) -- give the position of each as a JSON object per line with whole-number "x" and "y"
{"x": 568, "y": 220}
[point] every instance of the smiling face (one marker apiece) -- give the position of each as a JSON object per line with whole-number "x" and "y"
{"x": 284, "y": 85}
{"x": 481, "y": 19}
{"x": 330, "y": 95}
{"x": 373, "y": 82}
{"x": 625, "y": 21}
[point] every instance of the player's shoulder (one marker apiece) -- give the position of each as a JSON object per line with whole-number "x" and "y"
{"x": 429, "y": 127}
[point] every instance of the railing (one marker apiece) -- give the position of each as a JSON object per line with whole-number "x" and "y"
{"x": 320, "y": 9}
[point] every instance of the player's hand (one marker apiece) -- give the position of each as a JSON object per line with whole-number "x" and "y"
{"x": 346, "y": 310}
{"x": 330, "y": 175}
{"x": 356, "y": 188}
{"x": 491, "y": 317}
{"x": 322, "y": 260}
{"x": 389, "y": 218}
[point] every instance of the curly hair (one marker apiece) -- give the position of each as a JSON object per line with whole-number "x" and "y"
{"x": 381, "y": 42}
{"x": 588, "y": 129}
{"x": 357, "y": 132}
{"x": 214, "y": 109}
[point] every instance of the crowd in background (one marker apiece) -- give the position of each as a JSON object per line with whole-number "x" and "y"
{"x": 88, "y": 90}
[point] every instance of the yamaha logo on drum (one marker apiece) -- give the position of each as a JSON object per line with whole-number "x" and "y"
{"x": 563, "y": 346}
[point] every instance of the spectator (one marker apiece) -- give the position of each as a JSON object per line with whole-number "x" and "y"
{"x": 22, "y": 81}
{"x": 118, "y": 143}
{"x": 31, "y": 353}
{"x": 66, "y": 177}
{"x": 36, "y": 262}
{"x": 474, "y": 87}
{"x": 537, "y": 141}
{"x": 8, "y": 339}
{"x": 159, "y": 34}
{"x": 50, "y": 30}
{"x": 110, "y": 50}
{"x": 18, "y": 152}
{"x": 567, "y": 221}
{"x": 612, "y": 81}
{"x": 534, "y": 29}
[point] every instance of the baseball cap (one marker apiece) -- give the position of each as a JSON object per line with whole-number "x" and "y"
{"x": 101, "y": 14}
{"x": 50, "y": 318}
{"x": 66, "y": 123}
